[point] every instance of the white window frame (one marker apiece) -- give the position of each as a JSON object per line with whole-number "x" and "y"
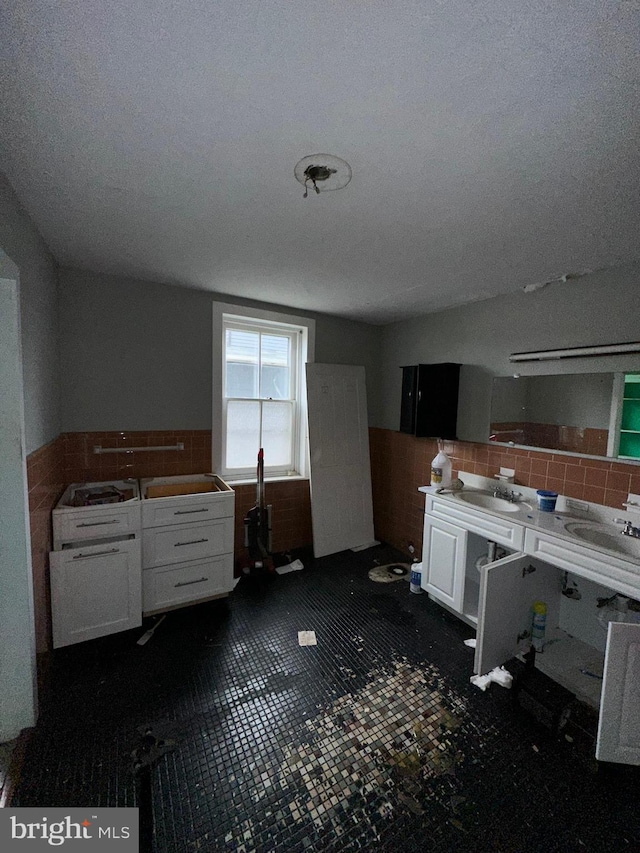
{"x": 267, "y": 321}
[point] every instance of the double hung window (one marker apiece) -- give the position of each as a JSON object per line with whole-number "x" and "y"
{"x": 262, "y": 399}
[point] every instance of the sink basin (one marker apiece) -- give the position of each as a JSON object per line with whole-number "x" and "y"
{"x": 486, "y": 501}
{"x": 602, "y": 537}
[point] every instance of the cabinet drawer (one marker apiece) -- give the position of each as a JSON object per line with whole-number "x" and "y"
{"x": 157, "y": 512}
{"x": 95, "y": 590}
{"x": 172, "y": 586}
{"x": 604, "y": 569}
{"x": 489, "y": 526}
{"x": 179, "y": 543}
{"x": 94, "y": 523}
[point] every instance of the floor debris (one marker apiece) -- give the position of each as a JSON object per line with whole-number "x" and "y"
{"x": 307, "y": 638}
{"x": 499, "y": 675}
{"x": 295, "y": 566}
{"x": 149, "y": 634}
{"x": 390, "y": 572}
{"x": 368, "y": 754}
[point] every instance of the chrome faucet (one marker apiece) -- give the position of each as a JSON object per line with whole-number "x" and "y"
{"x": 506, "y": 495}
{"x": 628, "y": 529}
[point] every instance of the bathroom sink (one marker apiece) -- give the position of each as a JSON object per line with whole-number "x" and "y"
{"x": 484, "y": 500}
{"x": 602, "y": 537}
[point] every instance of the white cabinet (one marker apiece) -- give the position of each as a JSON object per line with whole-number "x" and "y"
{"x": 95, "y": 567}
{"x": 508, "y": 588}
{"x": 455, "y": 539}
{"x": 599, "y": 662}
{"x": 95, "y": 590}
{"x": 619, "y": 723}
{"x": 444, "y": 549}
{"x": 187, "y": 540}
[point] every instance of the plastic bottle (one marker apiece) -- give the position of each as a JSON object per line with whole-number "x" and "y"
{"x": 415, "y": 584}
{"x": 441, "y": 468}
{"x": 538, "y": 625}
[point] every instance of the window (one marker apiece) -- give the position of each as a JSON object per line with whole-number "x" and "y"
{"x": 260, "y": 398}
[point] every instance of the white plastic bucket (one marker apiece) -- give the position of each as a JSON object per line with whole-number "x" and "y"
{"x": 546, "y": 500}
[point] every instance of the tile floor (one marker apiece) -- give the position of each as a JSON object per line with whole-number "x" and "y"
{"x": 373, "y": 739}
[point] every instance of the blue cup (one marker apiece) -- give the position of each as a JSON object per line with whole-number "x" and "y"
{"x": 546, "y": 500}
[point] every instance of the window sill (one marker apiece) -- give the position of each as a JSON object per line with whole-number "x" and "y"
{"x": 251, "y": 481}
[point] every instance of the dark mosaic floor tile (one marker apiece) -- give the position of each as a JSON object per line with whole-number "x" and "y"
{"x": 372, "y": 739}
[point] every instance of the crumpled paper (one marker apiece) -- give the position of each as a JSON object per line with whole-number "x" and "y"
{"x": 500, "y": 675}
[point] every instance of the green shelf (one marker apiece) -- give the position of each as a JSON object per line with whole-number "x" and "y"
{"x": 630, "y": 445}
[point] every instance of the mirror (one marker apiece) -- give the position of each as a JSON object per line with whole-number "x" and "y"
{"x": 577, "y": 413}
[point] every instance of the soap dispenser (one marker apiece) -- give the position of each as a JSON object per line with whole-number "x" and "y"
{"x": 441, "y": 469}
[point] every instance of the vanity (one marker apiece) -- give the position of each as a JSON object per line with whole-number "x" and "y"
{"x": 487, "y": 560}
{"x": 127, "y": 549}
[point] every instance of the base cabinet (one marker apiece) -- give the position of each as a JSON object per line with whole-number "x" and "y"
{"x": 508, "y": 588}
{"x": 597, "y": 659}
{"x": 95, "y": 590}
{"x": 187, "y": 542}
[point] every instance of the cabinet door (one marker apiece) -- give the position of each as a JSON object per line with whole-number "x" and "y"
{"x": 444, "y": 550}
{"x": 437, "y": 400}
{"x": 508, "y": 588}
{"x": 408, "y": 399}
{"x": 619, "y": 723}
{"x": 95, "y": 590}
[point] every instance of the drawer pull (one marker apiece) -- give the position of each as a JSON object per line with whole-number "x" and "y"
{"x": 98, "y": 523}
{"x": 96, "y": 554}
{"x": 192, "y": 542}
{"x": 190, "y": 511}
{"x": 188, "y": 583}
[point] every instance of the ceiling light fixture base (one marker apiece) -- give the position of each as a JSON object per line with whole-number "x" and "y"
{"x": 323, "y": 172}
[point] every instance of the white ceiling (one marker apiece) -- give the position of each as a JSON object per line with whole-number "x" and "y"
{"x": 493, "y": 144}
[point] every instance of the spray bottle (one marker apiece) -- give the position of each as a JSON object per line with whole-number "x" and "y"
{"x": 539, "y": 609}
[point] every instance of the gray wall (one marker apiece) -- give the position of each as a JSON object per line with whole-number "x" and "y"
{"x": 137, "y": 355}
{"x": 598, "y": 309}
{"x": 20, "y": 240}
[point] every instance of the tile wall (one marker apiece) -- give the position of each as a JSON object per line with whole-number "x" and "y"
{"x": 45, "y": 481}
{"x": 569, "y": 438}
{"x": 400, "y": 463}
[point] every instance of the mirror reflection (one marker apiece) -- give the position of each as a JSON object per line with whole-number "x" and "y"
{"x": 571, "y": 412}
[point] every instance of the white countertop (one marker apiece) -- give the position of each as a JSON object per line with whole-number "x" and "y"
{"x": 591, "y": 515}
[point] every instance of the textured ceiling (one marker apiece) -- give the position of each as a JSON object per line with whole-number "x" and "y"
{"x": 493, "y": 144}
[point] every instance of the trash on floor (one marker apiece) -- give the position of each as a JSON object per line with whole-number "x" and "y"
{"x": 295, "y": 566}
{"x": 499, "y": 675}
{"x": 307, "y": 638}
{"x": 149, "y": 634}
{"x": 389, "y": 573}
{"x": 471, "y": 643}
